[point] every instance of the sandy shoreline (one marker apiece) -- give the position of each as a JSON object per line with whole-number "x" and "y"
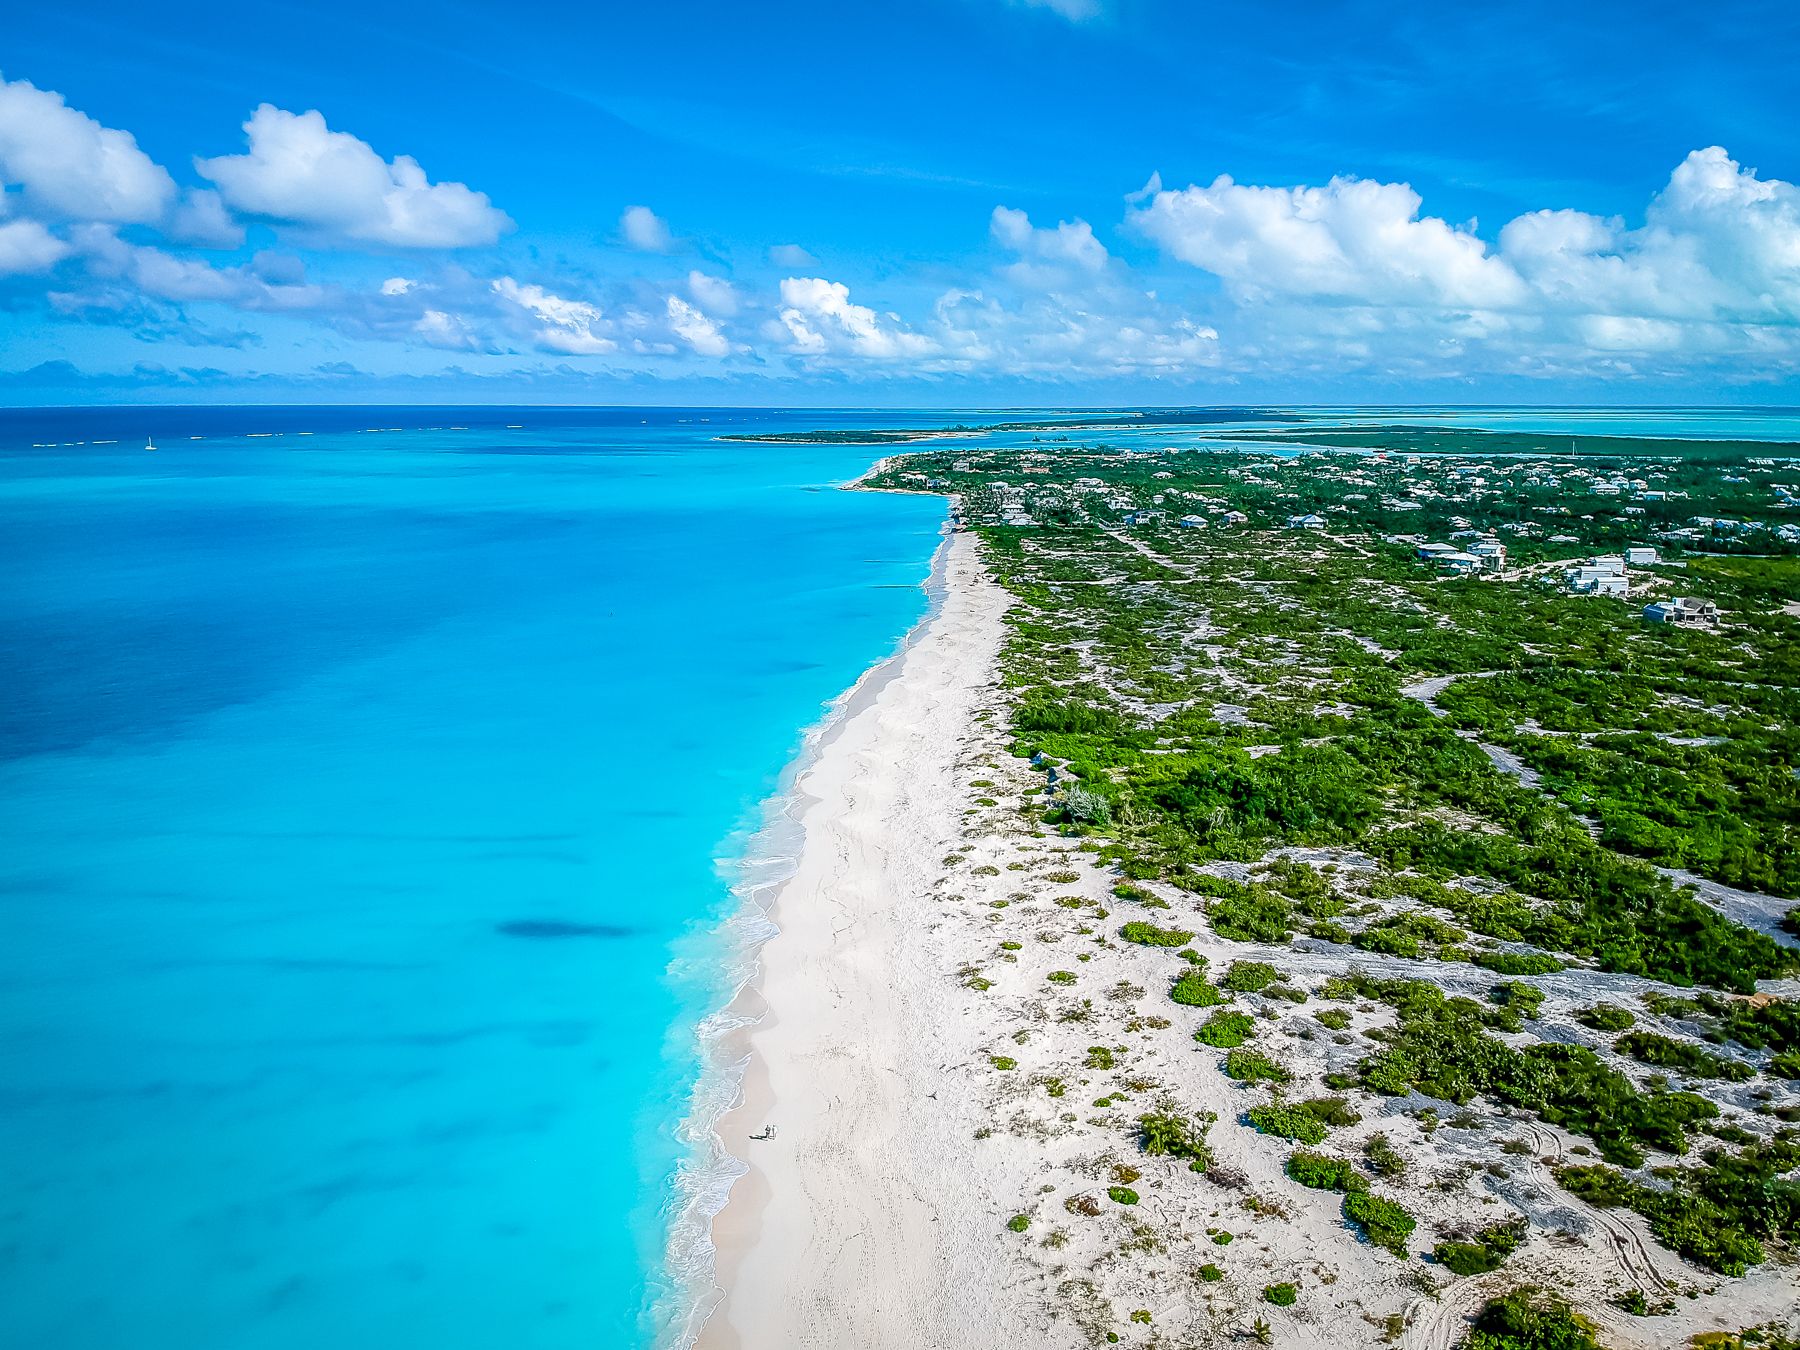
{"x": 851, "y": 1226}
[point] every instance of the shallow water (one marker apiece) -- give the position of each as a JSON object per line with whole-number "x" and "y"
{"x": 362, "y": 790}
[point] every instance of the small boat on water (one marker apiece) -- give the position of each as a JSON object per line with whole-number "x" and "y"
{"x": 150, "y": 443}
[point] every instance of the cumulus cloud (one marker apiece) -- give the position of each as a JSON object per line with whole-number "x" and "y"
{"x": 26, "y": 247}
{"x": 1352, "y": 240}
{"x": 713, "y": 294}
{"x": 70, "y": 166}
{"x": 694, "y": 328}
{"x": 1071, "y": 242}
{"x": 338, "y": 189}
{"x": 564, "y": 325}
{"x": 1712, "y": 272}
{"x": 203, "y": 221}
{"x": 645, "y": 231}
{"x": 818, "y": 318}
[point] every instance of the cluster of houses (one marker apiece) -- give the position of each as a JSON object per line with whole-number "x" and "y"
{"x": 1484, "y": 555}
{"x": 1606, "y": 574}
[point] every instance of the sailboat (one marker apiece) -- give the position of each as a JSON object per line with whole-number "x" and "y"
{"x": 150, "y": 443}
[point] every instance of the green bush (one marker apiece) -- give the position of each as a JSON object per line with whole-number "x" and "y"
{"x": 1281, "y": 1295}
{"x": 1163, "y": 1135}
{"x": 1383, "y": 1222}
{"x": 1019, "y": 1222}
{"x": 1323, "y": 1172}
{"x": 1531, "y": 1319}
{"x": 1287, "y": 1122}
{"x": 1122, "y": 1195}
{"x": 1226, "y": 1030}
{"x": 1192, "y": 990}
{"x": 1250, "y": 977}
{"x": 1149, "y": 935}
{"x": 1332, "y": 1111}
{"x": 1253, "y": 1066}
{"x": 1382, "y": 1157}
{"x": 1605, "y": 1017}
{"x": 1517, "y": 963}
{"x": 1061, "y": 977}
{"x": 1484, "y": 1251}
{"x": 1682, "y": 1056}
{"x": 1211, "y": 1274}
{"x": 1256, "y": 915}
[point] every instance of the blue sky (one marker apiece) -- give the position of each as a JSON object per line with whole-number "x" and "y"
{"x": 923, "y": 202}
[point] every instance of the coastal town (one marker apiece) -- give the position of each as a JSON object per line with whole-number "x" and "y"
{"x": 1374, "y": 889}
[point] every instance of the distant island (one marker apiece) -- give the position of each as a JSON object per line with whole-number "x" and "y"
{"x": 891, "y": 436}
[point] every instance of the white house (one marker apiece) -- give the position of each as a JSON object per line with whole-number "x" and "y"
{"x": 1683, "y": 609}
{"x": 1641, "y": 557}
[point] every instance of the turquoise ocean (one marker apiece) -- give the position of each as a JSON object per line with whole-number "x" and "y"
{"x": 379, "y": 790}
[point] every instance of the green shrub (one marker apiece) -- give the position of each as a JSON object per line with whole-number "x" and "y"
{"x": 1149, "y": 935}
{"x": 1332, "y": 1111}
{"x": 1249, "y": 977}
{"x": 1523, "y": 998}
{"x": 1681, "y": 1056}
{"x": 1382, "y": 1157}
{"x": 1254, "y": 915}
{"x": 1531, "y": 1319}
{"x": 1605, "y": 1017}
{"x": 1211, "y": 1274}
{"x": 1122, "y": 1195}
{"x": 1099, "y": 1057}
{"x": 1335, "y": 1018}
{"x": 1383, "y": 1222}
{"x": 1484, "y": 1251}
{"x": 1323, "y": 1172}
{"x": 1287, "y": 1122}
{"x": 1226, "y": 1030}
{"x": 1281, "y": 1295}
{"x": 1061, "y": 977}
{"x": 1253, "y": 1066}
{"x": 1163, "y": 1135}
{"x": 1019, "y": 1222}
{"x": 1192, "y": 990}
{"x": 1517, "y": 963}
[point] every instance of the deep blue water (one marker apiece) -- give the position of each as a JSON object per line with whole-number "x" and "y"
{"x": 364, "y": 800}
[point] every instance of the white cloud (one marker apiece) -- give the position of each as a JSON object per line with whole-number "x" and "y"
{"x": 438, "y": 328}
{"x": 1071, "y": 243}
{"x": 203, "y": 221}
{"x": 269, "y": 283}
{"x": 71, "y": 166}
{"x": 338, "y": 190}
{"x": 397, "y": 286}
{"x": 1353, "y": 240}
{"x": 791, "y": 256}
{"x": 695, "y": 329}
{"x": 565, "y": 325}
{"x": 1710, "y": 278}
{"x": 819, "y": 318}
{"x": 713, "y": 294}
{"x": 27, "y": 247}
{"x": 644, "y": 230}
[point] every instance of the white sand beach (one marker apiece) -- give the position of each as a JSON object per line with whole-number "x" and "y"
{"x": 864, "y": 1221}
